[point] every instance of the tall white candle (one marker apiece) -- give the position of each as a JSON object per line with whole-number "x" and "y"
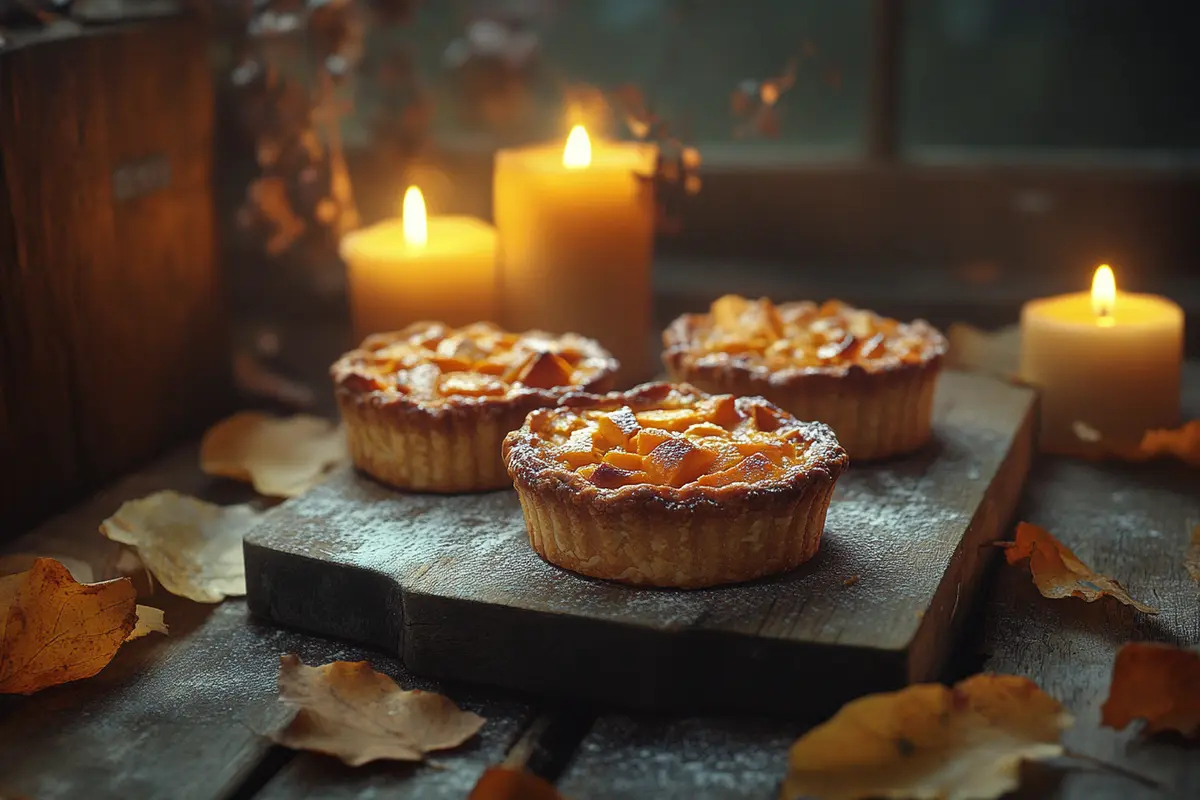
{"x": 1108, "y": 359}
{"x": 576, "y": 226}
{"x": 420, "y": 268}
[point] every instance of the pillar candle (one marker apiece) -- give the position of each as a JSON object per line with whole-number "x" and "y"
{"x": 1108, "y": 359}
{"x": 576, "y": 227}
{"x": 440, "y": 268}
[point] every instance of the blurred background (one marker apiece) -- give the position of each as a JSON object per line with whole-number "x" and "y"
{"x": 948, "y": 158}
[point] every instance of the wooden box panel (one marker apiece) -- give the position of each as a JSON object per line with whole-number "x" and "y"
{"x": 114, "y": 332}
{"x": 451, "y": 584}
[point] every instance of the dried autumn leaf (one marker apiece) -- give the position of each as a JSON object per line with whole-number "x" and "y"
{"x": 507, "y": 783}
{"x": 1058, "y": 573}
{"x": 351, "y": 711}
{"x": 1158, "y": 683}
{"x": 1183, "y": 443}
{"x": 149, "y": 620}
{"x": 1191, "y": 561}
{"x": 193, "y": 548}
{"x": 56, "y": 630}
{"x": 281, "y": 457}
{"x": 929, "y": 741}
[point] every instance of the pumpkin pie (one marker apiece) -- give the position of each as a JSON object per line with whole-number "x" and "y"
{"x": 870, "y": 378}
{"x": 667, "y": 486}
{"x": 426, "y": 408}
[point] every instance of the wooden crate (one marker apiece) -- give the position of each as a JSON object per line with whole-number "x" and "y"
{"x": 114, "y": 337}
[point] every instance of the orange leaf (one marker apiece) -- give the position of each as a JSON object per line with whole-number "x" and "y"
{"x": 1058, "y": 573}
{"x": 929, "y": 741}
{"x": 506, "y": 783}
{"x": 56, "y": 630}
{"x": 1191, "y": 561}
{"x": 351, "y": 711}
{"x": 1158, "y": 683}
{"x": 1183, "y": 443}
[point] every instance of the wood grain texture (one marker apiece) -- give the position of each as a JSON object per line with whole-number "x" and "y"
{"x": 1130, "y": 521}
{"x": 115, "y": 345}
{"x": 182, "y": 717}
{"x": 451, "y": 583}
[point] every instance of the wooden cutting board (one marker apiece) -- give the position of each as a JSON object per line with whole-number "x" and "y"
{"x": 451, "y": 585}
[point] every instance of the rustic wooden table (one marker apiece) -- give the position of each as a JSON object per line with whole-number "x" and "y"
{"x": 183, "y": 717}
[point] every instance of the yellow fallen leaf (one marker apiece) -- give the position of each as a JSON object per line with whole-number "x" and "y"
{"x": 1191, "y": 561}
{"x": 1158, "y": 683}
{"x": 56, "y": 630}
{"x": 281, "y": 457}
{"x": 350, "y": 711}
{"x": 929, "y": 741}
{"x": 1058, "y": 573}
{"x": 149, "y": 620}
{"x": 193, "y": 548}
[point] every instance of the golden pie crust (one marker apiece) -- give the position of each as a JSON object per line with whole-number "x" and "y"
{"x": 427, "y": 407}
{"x": 870, "y": 378}
{"x": 665, "y": 485}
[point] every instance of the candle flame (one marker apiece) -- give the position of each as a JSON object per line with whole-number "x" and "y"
{"x": 416, "y": 229}
{"x": 578, "y": 152}
{"x": 1104, "y": 293}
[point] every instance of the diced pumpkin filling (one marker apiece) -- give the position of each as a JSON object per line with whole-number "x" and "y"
{"x": 805, "y": 334}
{"x": 479, "y": 360}
{"x": 673, "y": 446}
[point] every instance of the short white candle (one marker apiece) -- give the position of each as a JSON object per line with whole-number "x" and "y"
{"x": 576, "y": 227}
{"x": 420, "y": 268}
{"x": 1108, "y": 359}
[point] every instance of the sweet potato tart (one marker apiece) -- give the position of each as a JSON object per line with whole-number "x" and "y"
{"x": 426, "y": 408}
{"x": 869, "y": 377}
{"x": 668, "y": 486}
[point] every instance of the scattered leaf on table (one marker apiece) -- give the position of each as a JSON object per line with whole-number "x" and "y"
{"x": 149, "y": 620}
{"x": 81, "y": 571}
{"x": 1158, "y": 683}
{"x": 348, "y": 710}
{"x": 997, "y": 353}
{"x": 56, "y": 630}
{"x": 281, "y": 457}
{"x": 1058, "y": 573}
{"x": 1183, "y": 443}
{"x": 193, "y": 548}
{"x": 1191, "y": 561}
{"x": 510, "y": 783}
{"x": 929, "y": 741}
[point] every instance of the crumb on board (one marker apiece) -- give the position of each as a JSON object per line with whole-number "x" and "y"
{"x": 853, "y": 579}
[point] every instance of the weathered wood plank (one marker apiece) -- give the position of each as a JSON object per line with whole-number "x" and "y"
{"x": 452, "y": 584}
{"x": 182, "y": 716}
{"x": 1131, "y": 521}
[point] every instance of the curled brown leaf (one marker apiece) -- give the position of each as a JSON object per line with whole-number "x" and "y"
{"x": 350, "y": 711}
{"x": 1058, "y": 572}
{"x": 929, "y": 741}
{"x": 55, "y": 630}
{"x": 281, "y": 457}
{"x": 193, "y": 548}
{"x": 1158, "y": 683}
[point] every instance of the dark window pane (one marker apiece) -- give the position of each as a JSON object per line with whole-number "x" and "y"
{"x": 1050, "y": 73}
{"x": 687, "y": 56}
